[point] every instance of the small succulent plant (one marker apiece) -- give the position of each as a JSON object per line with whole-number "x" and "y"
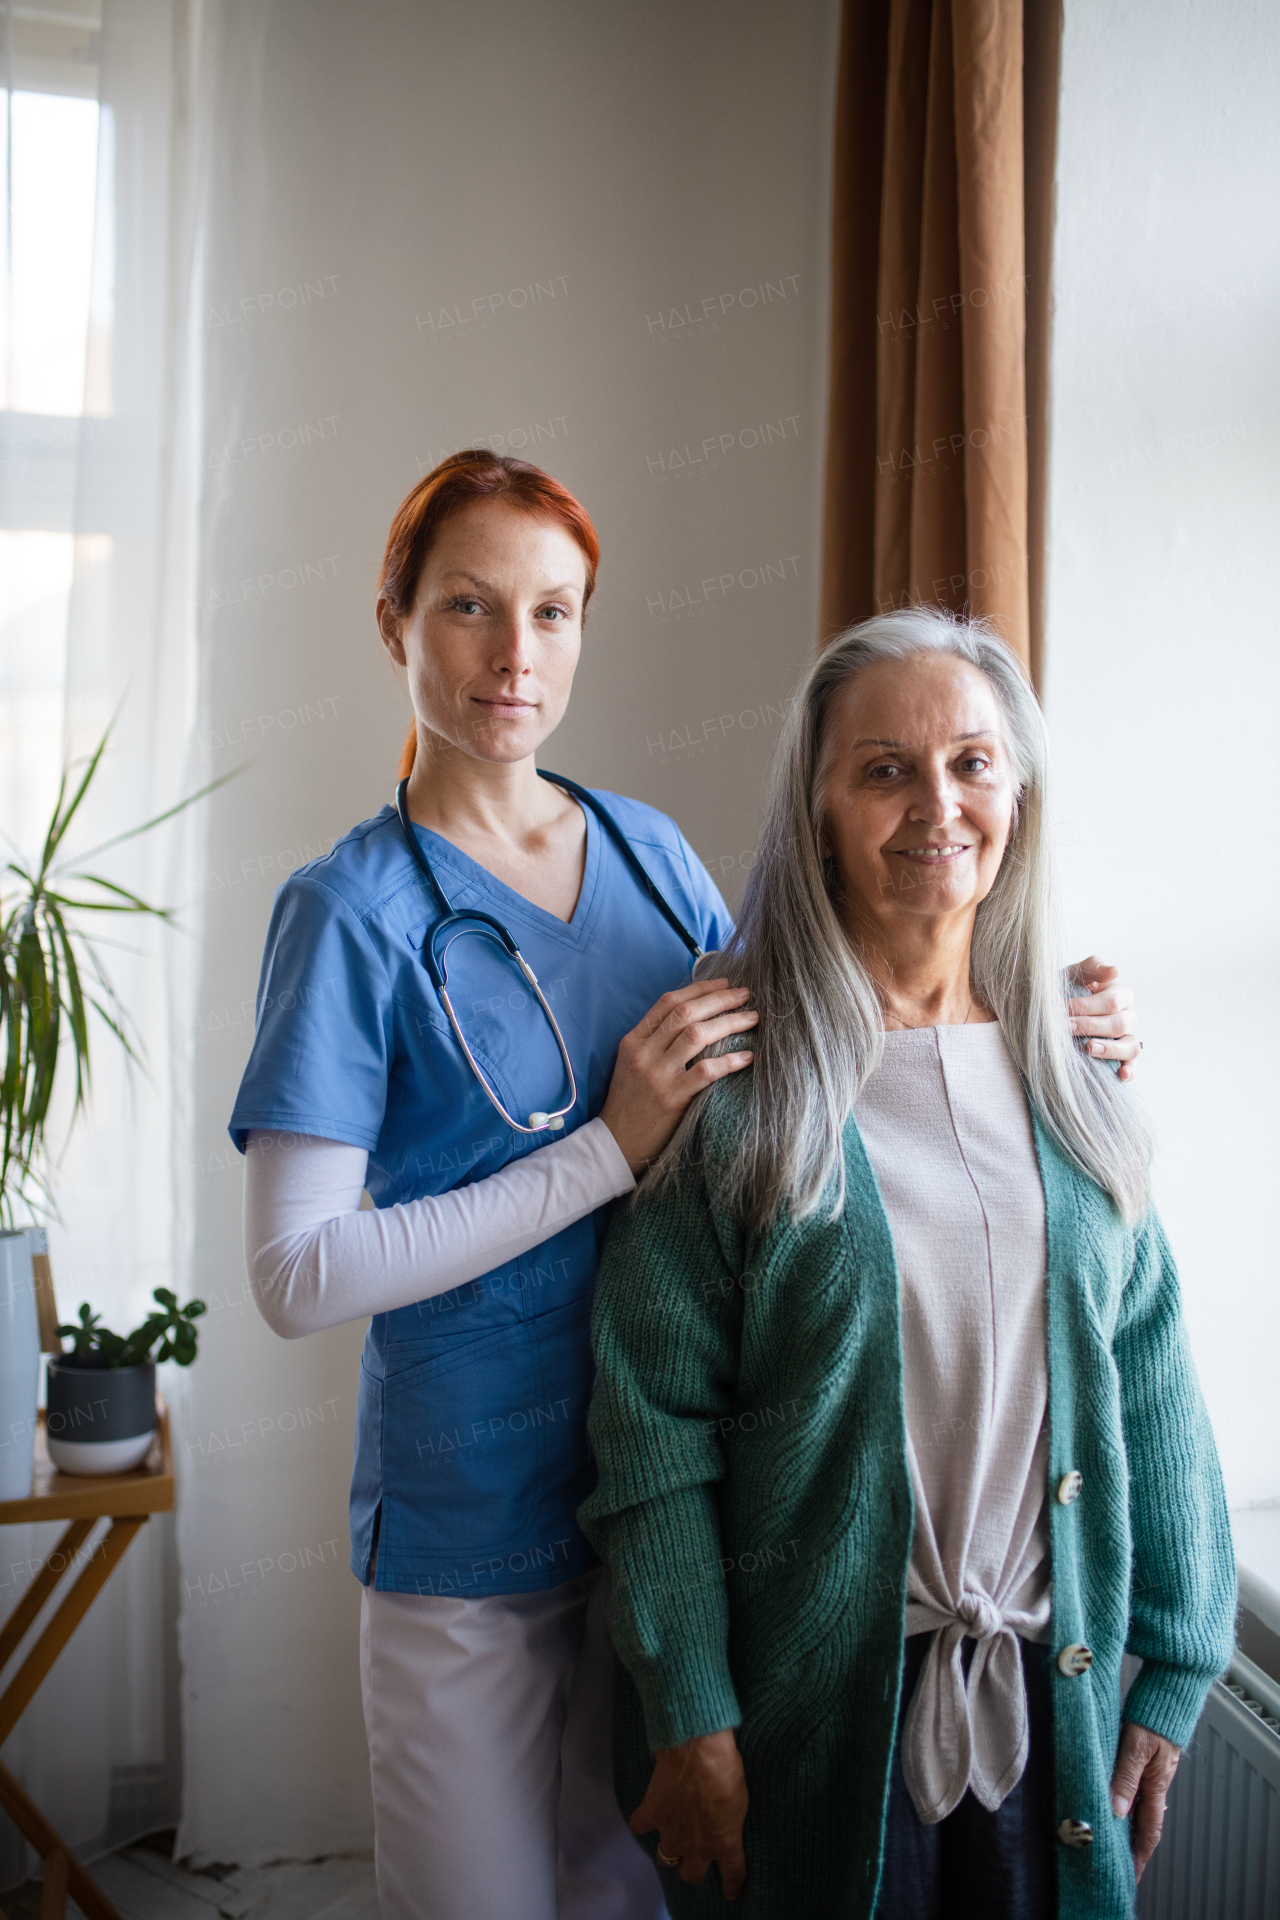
{"x": 171, "y": 1325}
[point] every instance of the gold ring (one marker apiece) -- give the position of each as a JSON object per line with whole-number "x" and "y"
{"x": 667, "y": 1860}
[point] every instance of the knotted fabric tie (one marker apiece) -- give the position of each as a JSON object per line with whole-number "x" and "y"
{"x": 960, "y": 1734}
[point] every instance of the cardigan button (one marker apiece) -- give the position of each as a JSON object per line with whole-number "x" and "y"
{"x": 1075, "y": 1833}
{"x": 1074, "y": 1660}
{"x": 1070, "y": 1487}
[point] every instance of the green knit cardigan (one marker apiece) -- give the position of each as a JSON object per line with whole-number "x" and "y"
{"x": 755, "y": 1510}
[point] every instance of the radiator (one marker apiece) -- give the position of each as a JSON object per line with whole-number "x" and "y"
{"x": 1219, "y": 1858}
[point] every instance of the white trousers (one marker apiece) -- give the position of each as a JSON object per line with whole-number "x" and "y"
{"x": 489, "y": 1740}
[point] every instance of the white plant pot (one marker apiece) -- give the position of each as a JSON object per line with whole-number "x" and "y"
{"x": 19, "y": 1365}
{"x": 103, "y": 1456}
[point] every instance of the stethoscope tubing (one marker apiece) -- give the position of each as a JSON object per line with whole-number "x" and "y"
{"x": 546, "y": 1121}
{"x": 587, "y": 799}
{"x": 488, "y": 924}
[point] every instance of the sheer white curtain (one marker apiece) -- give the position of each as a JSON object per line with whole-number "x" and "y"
{"x": 100, "y": 608}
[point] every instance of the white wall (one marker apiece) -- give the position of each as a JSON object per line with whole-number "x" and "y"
{"x": 409, "y": 159}
{"x": 1163, "y": 666}
{"x": 647, "y": 164}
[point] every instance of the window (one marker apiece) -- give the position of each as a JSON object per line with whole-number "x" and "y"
{"x": 55, "y": 341}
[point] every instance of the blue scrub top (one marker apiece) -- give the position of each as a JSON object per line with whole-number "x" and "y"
{"x": 471, "y": 1446}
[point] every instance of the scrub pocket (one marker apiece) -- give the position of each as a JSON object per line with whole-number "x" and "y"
{"x": 482, "y": 1454}
{"x": 461, "y": 1456}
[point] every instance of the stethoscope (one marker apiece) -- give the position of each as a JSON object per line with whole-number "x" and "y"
{"x": 453, "y": 926}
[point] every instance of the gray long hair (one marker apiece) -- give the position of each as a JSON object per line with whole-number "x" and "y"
{"x": 821, "y": 1030}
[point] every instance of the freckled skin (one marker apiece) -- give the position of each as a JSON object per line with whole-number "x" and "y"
{"x": 489, "y": 650}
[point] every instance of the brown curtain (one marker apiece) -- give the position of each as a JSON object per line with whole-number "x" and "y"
{"x": 943, "y": 210}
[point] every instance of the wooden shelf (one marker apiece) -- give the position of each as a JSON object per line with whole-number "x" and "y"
{"x": 126, "y": 1499}
{"x": 82, "y": 1496}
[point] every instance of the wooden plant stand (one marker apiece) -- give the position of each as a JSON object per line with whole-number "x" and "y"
{"x": 128, "y": 1500}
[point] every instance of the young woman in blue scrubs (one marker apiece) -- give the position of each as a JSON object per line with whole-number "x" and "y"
{"x": 485, "y": 1662}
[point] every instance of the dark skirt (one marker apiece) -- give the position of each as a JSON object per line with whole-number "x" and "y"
{"x": 976, "y": 1865}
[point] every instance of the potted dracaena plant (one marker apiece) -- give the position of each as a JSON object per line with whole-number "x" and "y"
{"x": 54, "y": 986}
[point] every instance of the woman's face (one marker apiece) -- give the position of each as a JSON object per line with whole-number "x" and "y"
{"x": 920, "y": 796}
{"x": 490, "y": 647}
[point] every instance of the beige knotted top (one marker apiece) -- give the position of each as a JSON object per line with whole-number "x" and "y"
{"x": 948, "y": 1132}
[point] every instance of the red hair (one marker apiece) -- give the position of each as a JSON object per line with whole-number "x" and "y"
{"x": 475, "y": 474}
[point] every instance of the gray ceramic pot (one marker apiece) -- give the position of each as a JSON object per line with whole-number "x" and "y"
{"x": 100, "y": 1419}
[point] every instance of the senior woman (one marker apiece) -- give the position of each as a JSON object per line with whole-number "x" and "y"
{"x": 900, "y": 1445}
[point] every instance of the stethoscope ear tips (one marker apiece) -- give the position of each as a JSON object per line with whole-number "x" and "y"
{"x": 551, "y": 1122}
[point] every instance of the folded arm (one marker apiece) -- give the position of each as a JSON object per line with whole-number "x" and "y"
{"x": 315, "y": 1260}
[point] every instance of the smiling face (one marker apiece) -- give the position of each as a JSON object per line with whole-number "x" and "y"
{"x": 491, "y": 644}
{"x": 920, "y": 797}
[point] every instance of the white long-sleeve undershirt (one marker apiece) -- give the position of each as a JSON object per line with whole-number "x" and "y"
{"x": 316, "y": 1259}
